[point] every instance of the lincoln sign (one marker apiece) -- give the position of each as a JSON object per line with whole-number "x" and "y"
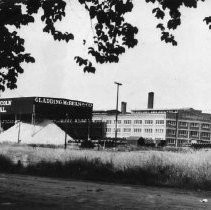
{"x": 43, "y": 107}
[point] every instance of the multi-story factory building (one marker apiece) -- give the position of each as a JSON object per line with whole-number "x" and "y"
{"x": 176, "y": 126}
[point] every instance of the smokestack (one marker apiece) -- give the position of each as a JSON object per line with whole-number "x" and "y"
{"x": 150, "y": 100}
{"x": 123, "y": 107}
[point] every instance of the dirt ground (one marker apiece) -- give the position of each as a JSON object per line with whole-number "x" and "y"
{"x": 28, "y": 192}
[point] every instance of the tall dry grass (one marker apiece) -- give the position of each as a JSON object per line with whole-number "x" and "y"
{"x": 179, "y": 169}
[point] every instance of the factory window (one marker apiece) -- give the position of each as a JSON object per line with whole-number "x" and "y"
{"x": 183, "y": 133}
{"x": 118, "y": 130}
{"x": 98, "y": 121}
{"x": 147, "y": 122}
{"x": 127, "y": 121}
{"x": 137, "y": 121}
{"x": 183, "y": 124}
{"x": 108, "y": 129}
{"x": 194, "y": 125}
{"x": 171, "y": 132}
{"x": 205, "y": 134}
{"x": 206, "y": 126}
{"x": 108, "y": 121}
{"x": 118, "y": 121}
{"x": 137, "y": 130}
{"x": 127, "y": 129}
{"x": 193, "y": 133}
{"x": 171, "y": 141}
{"x": 159, "y": 130}
{"x": 159, "y": 122}
{"x": 148, "y": 130}
{"x": 173, "y": 123}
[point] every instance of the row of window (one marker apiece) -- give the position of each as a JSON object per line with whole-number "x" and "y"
{"x": 135, "y": 130}
{"x": 173, "y": 141}
{"x": 192, "y": 125}
{"x": 147, "y": 122}
{"x": 160, "y": 122}
{"x": 192, "y": 133}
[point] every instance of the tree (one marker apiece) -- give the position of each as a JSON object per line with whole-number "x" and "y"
{"x": 173, "y": 8}
{"x": 112, "y": 35}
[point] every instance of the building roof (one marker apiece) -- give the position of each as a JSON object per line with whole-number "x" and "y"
{"x": 172, "y": 110}
{"x": 46, "y": 107}
{"x": 136, "y": 111}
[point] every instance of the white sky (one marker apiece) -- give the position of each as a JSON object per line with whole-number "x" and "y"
{"x": 180, "y": 76}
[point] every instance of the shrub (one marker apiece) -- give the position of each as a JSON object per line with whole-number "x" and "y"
{"x": 141, "y": 141}
{"x": 162, "y": 143}
{"x": 6, "y": 164}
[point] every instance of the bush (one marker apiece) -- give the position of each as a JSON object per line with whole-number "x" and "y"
{"x": 6, "y": 164}
{"x": 162, "y": 143}
{"x": 201, "y": 145}
{"x": 141, "y": 141}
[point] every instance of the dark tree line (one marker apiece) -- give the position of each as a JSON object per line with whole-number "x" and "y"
{"x": 113, "y": 35}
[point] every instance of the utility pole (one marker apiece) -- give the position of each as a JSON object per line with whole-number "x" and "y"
{"x": 117, "y": 100}
{"x": 176, "y": 135}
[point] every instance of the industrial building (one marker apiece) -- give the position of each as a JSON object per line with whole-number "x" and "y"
{"x": 178, "y": 127}
{"x": 73, "y": 117}
{"x": 26, "y": 108}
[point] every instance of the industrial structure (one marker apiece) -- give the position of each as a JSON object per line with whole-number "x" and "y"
{"x": 178, "y": 127}
{"x": 70, "y": 115}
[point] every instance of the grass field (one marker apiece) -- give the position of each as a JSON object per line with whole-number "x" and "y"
{"x": 187, "y": 169}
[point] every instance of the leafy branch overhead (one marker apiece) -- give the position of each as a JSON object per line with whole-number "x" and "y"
{"x": 12, "y": 50}
{"x": 173, "y": 8}
{"x": 112, "y": 34}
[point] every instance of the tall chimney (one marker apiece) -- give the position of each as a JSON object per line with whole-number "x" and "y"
{"x": 150, "y": 100}
{"x": 123, "y": 107}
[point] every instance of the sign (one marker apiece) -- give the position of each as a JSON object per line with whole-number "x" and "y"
{"x": 49, "y": 108}
{"x": 62, "y": 102}
{"x": 3, "y": 105}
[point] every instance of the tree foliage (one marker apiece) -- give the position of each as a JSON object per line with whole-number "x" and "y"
{"x": 173, "y": 9}
{"x": 112, "y": 34}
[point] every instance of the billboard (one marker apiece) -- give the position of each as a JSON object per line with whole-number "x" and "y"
{"x": 50, "y": 108}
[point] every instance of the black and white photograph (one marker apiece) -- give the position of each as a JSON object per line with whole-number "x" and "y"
{"x": 105, "y": 104}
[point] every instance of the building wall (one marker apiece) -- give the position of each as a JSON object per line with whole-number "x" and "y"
{"x": 151, "y": 126}
{"x": 188, "y": 127}
{"x": 179, "y": 127}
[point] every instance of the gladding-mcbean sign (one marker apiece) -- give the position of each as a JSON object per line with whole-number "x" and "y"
{"x": 62, "y": 102}
{"x": 25, "y": 105}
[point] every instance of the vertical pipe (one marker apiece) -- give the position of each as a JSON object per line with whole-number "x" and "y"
{"x": 65, "y": 139}
{"x": 176, "y": 129}
{"x": 0, "y": 124}
{"x": 88, "y": 129}
{"x": 33, "y": 115}
{"x": 117, "y": 100}
{"x": 19, "y": 130}
{"x": 33, "y": 119}
{"x": 150, "y": 100}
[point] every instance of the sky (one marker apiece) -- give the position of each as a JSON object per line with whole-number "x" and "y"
{"x": 179, "y": 76}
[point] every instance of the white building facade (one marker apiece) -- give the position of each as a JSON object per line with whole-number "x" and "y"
{"x": 176, "y": 126}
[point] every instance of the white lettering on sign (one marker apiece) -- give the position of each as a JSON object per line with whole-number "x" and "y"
{"x": 62, "y": 102}
{"x": 2, "y": 109}
{"x": 5, "y": 103}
